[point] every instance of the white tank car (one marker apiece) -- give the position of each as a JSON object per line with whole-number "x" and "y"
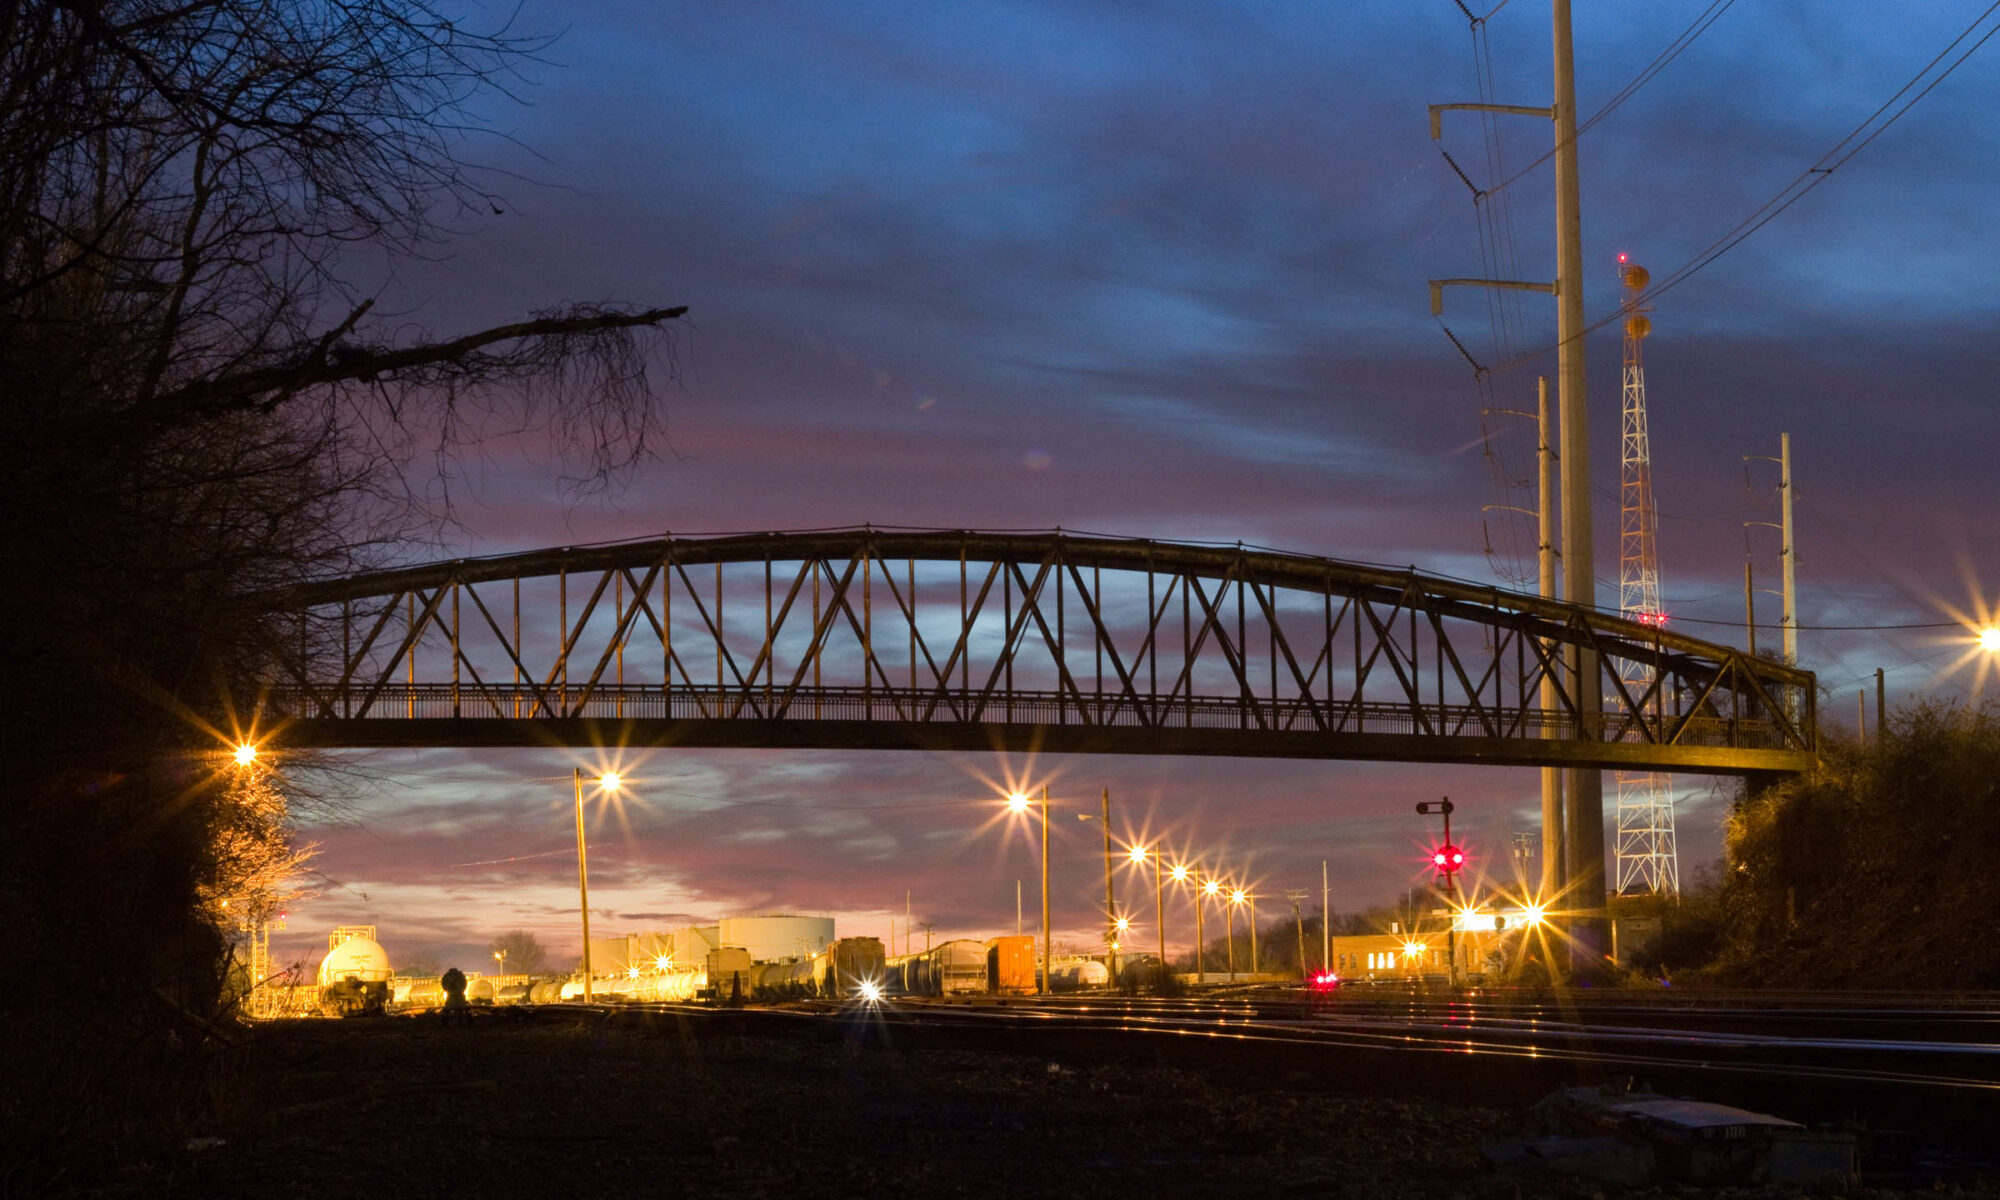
{"x": 354, "y": 975}
{"x": 362, "y": 959}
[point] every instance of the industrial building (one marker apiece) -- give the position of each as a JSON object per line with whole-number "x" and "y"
{"x": 775, "y": 937}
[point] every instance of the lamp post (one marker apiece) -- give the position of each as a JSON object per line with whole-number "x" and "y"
{"x": 1241, "y": 896}
{"x": 1180, "y": 876}
{"x": 1209, "y": 887}
{"x": 1019, "y": 803}
{"x": 608, "y": 782}
{"x": 1139, "y": 856}
{"x": 502, "y": 956}
{"x": 1229, "y": 904}
{"x": 1110, "y": 901}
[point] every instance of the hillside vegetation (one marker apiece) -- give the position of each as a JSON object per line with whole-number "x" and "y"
{"x": 1873, "y": 871}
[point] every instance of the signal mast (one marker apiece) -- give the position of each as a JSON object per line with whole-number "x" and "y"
{"x": 1646, "y": 857}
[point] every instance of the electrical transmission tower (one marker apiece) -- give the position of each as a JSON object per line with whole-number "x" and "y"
{"x": 1647, "y": 859}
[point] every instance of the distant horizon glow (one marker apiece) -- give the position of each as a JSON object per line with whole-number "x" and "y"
{"x": 1164, "y": 275}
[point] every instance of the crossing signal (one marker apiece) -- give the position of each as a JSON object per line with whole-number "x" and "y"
{"x": 1447, "y": 859}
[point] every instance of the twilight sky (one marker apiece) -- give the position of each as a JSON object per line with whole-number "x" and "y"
{"x": 1159, "y": 270}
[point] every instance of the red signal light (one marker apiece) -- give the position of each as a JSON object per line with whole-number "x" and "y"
{"x": 1448, "y": 859}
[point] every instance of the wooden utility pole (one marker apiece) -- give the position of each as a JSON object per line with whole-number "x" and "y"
{"x": 1553, "y": 874}
{"x": 1583, "y": 798}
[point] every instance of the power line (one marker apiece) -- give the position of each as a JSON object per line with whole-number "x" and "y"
{"x": 1818, "y": 173}
{"x": 1824, "y": 628}
{"x": 1700, "y": 25}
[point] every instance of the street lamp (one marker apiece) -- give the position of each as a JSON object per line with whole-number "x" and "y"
{"x": 606, "y": 782}
{"x": 1209, "y": 887}
{"x": 1019, "y": 803}
{"x": 1240, "y": 896}
{"x": 1229, "y": 903}
{"x": 1139, "y": 855}
{"x": 1110, "y": 900}
{"x": 246, "y": 754}
{"x": 502, "y": 956}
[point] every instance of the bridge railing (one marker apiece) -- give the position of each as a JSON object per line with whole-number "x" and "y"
{"x": 884, "y": 704}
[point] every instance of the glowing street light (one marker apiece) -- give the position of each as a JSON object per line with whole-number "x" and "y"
{"x": 501, "y": 955}
{"x": 1018, "y": 802}
{"x": 246, "y": 754}
{"x": 1210, "y": 888}
{"x": 1989, "y": 639}
{"x": 608, "y": 782}
{"x": 1239, "y": 896}
{"x": 1139, "y": 855}
{"x": 1110, "y": 898}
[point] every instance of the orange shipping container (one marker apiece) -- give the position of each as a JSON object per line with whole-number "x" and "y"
{"x": 1010, "y": 964}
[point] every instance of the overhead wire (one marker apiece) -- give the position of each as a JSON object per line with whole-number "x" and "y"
{"x": 1819, "y": 172}
{"x": 1699, "y": 26}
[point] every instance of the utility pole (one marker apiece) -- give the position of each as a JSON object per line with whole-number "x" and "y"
{"x": 1325, "y": 920}
{"x": 1295, "y": 895}
{"x": 1788, "y": 553}
{"x": 1545, "y": 563}
{"x": 1583, "y": 791}
{"x": 1017, "y": 908}
{"x": 1791, "y": 557}
{"x": 1110, "y": 902}
{"x": 1048, "y": 956}
{"x": 1749, "y": 597}
{"x": 1583, "y": 824}
{"x": 1881, "y": 707}
{"x": 1553, "y": 873}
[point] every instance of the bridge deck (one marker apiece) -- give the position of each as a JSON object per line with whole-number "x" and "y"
{"x": 972, "y": 641}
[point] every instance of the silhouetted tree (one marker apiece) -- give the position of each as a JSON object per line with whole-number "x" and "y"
{"x": 199, "y": 406}
{"x": 525, "y": 953}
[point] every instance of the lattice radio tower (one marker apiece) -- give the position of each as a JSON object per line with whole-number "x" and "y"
{"x": 1647, "y": 859}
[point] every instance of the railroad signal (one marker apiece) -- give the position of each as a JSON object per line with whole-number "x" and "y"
{"x": 1448, "y": 859}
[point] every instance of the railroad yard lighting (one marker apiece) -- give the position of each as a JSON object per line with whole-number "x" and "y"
{"x": 1229, "y": 905}
{"x": 1240, "y": 896}
{"x": 1110, "y": 899}
{"x": 1209, "y": 888}
{"x": 501, "y": 955}
{"x": 1018, "y": 802}
{"x": 608, "y": 782}
{"x": 246, "y": 754}
{"x": 1139, "y": 855}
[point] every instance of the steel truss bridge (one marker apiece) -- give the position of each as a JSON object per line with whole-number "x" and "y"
{"x": 868, "y": 638}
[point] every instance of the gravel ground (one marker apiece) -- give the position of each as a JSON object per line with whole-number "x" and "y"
{"x": 536, "y": 1107}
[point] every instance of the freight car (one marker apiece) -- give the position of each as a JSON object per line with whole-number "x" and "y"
{"x": 1010, "y": 964}
{"x": 354, "y": 975}
{"x": 841, "y": 970}
{"x": 953, "y": 968}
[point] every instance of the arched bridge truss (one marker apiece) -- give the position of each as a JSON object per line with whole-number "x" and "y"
{"x": 959, "y": 640}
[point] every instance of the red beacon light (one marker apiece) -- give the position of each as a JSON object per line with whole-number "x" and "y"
{"x": 1448, "y": 859}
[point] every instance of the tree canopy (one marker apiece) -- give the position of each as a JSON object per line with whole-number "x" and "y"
{"x": 200, "y": 402}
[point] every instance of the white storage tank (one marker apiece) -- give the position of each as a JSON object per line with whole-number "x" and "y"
{"x": 779, "y": 936}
